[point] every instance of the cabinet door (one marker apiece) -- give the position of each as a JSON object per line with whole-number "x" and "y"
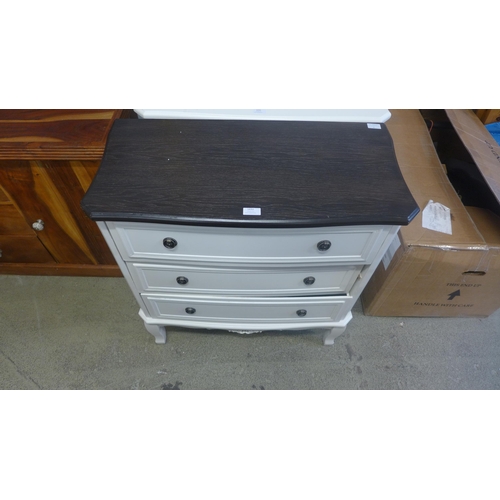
{"x": 72, "y": 179}
{"x": 18, "y": 242}
{"x": 50, "y": 191}
{"x": 23, "y": 249}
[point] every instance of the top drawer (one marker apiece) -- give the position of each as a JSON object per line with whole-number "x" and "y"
{"x": 138, "y": 242}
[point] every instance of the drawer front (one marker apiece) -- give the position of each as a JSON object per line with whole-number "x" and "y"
{"x": 245, "y": 309}
{"x": 138, "y": 241}
{"x": 194, "y": 280}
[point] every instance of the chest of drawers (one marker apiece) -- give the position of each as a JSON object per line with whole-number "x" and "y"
{"x": 248, "y": 227}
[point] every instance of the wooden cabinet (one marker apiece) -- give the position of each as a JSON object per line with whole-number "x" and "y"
{"x": 48, "y": 159}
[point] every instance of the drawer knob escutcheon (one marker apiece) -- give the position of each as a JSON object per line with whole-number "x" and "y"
{"x": 190, "y": 310}
{"x": 182, "y": 280}
{"x": 309, "y": 280}
{"x": 169, "y": 243}
{"x": 324, "y": 245}
{"x": 301, "y": 312}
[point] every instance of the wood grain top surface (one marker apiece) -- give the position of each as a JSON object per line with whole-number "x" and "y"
{"x": 54, "y": 134}
{"x": 207, "y": 172}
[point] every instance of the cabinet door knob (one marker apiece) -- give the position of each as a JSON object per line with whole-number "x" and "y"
{"x": 301, "y": 312}
{"x": 324, "y": 245}
{"x": 169, "y": 243}
{"x": 309, "y": 280}
{"x": 182, "y": 280}
{"x": 190, "y": 310}
{"x": 38, "y": 225}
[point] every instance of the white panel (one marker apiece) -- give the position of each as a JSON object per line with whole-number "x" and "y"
{"x": 318, "y": 115}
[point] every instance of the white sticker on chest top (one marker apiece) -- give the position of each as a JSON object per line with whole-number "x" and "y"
{"x": 251, "y": 211}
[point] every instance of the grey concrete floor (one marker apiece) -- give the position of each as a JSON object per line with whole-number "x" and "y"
{"x": 85, "y": 333}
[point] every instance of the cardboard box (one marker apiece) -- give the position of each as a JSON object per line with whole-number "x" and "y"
{"x": 427, "y": 273}
{"x": 488, "y": 115}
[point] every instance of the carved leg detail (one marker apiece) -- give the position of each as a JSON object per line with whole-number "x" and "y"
{"x": 158, "y": 332}
{"x": 332, "y": 334}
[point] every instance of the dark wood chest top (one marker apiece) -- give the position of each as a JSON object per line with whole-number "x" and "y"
{"x": 207, "y": 172}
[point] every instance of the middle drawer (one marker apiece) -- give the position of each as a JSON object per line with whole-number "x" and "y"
{"x": 291, "y": 281}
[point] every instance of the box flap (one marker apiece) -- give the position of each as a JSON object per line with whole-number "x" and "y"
{"x": 481, "y": 145}
{"x": 427, "y": 180}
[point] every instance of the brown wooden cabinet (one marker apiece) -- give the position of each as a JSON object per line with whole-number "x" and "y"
{"x": 48, "y": 159}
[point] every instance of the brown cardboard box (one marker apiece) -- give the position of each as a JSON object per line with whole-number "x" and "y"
{"x": 488, "y": 115}
{"x": 431, "y": 273}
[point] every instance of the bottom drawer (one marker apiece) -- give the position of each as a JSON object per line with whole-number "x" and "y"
{"x": 246, "y": 309}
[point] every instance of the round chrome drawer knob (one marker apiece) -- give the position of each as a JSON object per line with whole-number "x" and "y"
{"x": 324, "y": 245}
{"x": 169, "y": 243}
{"x": 190, "y": 310}
{"x": 182, "y": 280}
{"x": 309, "y": 280}
{"x": 301, "y": 312}
{"x": 38, "y": 225}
